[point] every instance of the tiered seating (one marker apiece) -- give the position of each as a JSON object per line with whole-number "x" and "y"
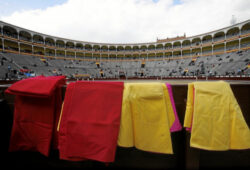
{"x": 225, "y": 64}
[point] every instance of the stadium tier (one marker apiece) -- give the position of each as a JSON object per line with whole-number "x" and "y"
{"x": 223, "y": 52}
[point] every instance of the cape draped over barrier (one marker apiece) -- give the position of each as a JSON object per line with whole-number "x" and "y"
{"x": 215, "y": 118}
{"x": 37, "y": 107}
{"x": 90, "y": 121}
{"x": 147, "y": 116}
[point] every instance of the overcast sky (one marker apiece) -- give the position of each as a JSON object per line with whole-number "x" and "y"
{"x": 123, "y": 21}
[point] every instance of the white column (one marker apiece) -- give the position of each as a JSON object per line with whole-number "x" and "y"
{"x": 239, "y": 43}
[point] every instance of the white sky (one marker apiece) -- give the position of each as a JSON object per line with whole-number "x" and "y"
{"x": 128, "y": 21}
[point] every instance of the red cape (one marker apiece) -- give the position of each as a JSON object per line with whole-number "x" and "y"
{"x": 90, "y": 121}
{"x": 37, "y": 108}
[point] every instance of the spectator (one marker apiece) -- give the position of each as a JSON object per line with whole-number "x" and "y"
{"x": 242, "y": 72}
{"x": 6, "y": 76}
{"x": 239, "y": 72}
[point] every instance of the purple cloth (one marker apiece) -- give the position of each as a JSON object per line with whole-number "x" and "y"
{"x": 176, "y": 125}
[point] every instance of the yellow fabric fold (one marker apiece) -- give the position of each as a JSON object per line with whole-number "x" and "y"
{"x": 170, "y": 110}
{"x": 145, "y": 122}
{"x": 59, "y": 122}
{"x": 126, "y": 134}
{"x": 189, "y": 106}
{"x": 217, "y": 121}
{"x": 240, "y": 133}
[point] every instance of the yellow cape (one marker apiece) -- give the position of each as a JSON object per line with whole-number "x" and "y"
{"x": 215, "y": 117}
{"x": 147, "y": 116}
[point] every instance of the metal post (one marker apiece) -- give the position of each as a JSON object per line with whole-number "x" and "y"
{"x": 19, "y": 47}
{"x": 3, "y": 43}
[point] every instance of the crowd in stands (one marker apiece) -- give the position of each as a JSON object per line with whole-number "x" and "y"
{"x": 17, "y": 66}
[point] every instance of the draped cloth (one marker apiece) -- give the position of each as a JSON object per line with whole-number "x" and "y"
{"x": 215, "y": 118}
{"x": 37, "y": 108}
{"x": 90, "y": 121}
{"x": 176, "y": 125}
{"x": 146, "y": 120}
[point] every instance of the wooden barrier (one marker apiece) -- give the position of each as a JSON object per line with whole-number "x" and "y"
{"x": 184, "y": 156}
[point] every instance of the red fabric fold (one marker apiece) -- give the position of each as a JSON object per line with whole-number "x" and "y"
{"x": 90, "y": 121}
{"x": 37, "y": 109}
{"x": 39, "y": 86}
